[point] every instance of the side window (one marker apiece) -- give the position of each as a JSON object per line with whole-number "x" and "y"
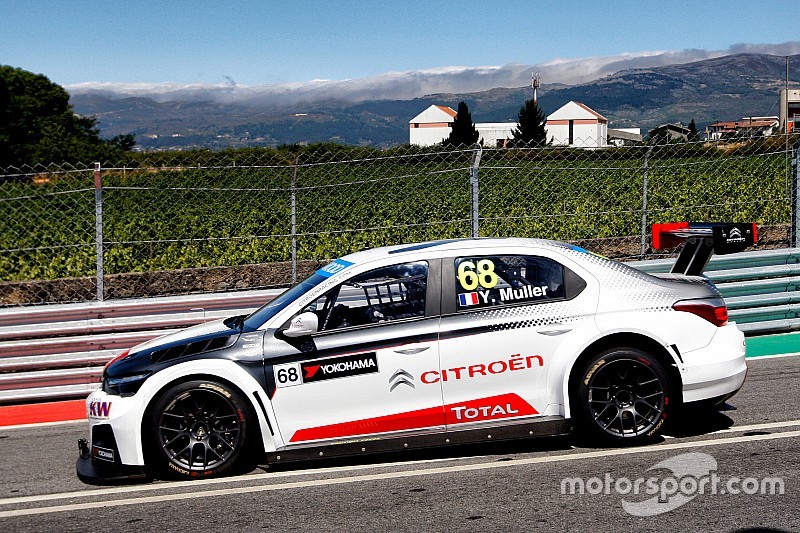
{"x": 510, "y": 279}
{"x": 384, "y": 294}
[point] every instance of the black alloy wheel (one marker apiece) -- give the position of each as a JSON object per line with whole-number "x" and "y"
{"x": 200, "y": 429}
{"x": 623, "y": 396}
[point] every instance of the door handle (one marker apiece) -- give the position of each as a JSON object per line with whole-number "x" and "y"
{"x": 554, "y": 329}
{"x": 411, "y": 351}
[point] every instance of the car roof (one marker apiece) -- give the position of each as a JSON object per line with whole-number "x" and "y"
{"x": 449, "y": 245}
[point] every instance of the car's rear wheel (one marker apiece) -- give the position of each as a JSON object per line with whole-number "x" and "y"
{"x": 623, "y": 396}
{"x": 200, "y": 429}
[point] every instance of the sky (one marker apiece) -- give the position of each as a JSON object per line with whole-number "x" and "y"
{"x": 267, "y": 42}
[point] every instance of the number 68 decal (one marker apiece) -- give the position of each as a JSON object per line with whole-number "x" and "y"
{"x": 470, "y": 275}
{"x": 287, "y": 375}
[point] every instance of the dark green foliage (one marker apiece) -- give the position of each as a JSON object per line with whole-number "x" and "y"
{"x": 693, "y": 135}
{"x": 531, "y": 123}
{"x": 463, "y": 132}
{"x": 38, "y": 125}
{"x": 124, "y": 142}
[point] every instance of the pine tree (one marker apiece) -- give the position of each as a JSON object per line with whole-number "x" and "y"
{"x": 463, "y": 132}
{"x": 693, "y": 135}
{"x": 531, "y": 125}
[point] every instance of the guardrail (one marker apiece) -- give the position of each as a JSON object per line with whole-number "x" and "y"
{"x": 761, "y": 289}
{"x": 57, "y": 352}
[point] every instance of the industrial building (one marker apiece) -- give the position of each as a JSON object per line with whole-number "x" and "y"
{"x": 573, "y": 124}
{"x": 790, "y": 110}
{"x": 431, "y": 126}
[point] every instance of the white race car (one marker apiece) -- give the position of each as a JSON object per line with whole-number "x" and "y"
{"x": 421, "y": 345}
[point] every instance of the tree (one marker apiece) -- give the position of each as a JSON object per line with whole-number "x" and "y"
{"x": 463, "y": 132}
{"x": 531, "y": 125}
{"x": 39, "y": 126}
{"x": 659, "y": 135}
{"x": 693, "y": 135}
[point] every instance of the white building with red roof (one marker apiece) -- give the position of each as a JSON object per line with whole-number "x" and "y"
{"x": 575, "y": 124}
{"x": 431, "y": 126}
{"x": 434, "y": 124}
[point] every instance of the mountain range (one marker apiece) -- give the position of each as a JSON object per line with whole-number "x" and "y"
{"x": 726, "y": 87}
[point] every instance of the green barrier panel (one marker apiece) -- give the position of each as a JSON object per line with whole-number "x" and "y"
{"x": 784, "y": 343}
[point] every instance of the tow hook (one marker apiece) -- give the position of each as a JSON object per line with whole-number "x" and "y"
{"x": 83, "y": 449}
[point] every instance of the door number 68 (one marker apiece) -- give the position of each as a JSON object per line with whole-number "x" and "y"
{"x": 471, "y": 275}
{"x": 287, "y": 375}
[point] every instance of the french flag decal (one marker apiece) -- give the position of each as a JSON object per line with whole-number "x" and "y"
{"x": 468, "y": 298}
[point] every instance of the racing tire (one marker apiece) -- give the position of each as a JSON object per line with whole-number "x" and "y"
{"x": 200, "y": 429}
{"x": 622, "y": 398}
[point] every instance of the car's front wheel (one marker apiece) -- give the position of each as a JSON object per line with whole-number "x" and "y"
{"x": 623, "y": 396}
{"x": 199, "y": 429}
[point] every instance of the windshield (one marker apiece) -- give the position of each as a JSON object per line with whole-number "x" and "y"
{"x": 262, "y": 314}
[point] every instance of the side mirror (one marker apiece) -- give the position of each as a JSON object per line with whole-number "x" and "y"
{"x": 302, "y": 325}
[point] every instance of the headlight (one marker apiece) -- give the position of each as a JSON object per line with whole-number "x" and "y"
{"x": 125, "y": 385}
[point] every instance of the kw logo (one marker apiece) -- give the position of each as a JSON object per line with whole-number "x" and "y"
{"x": 100, "y": 409}
{"x": 401, "y": 377}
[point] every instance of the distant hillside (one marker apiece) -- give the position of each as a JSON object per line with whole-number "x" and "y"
{"x": 725, "y": 88}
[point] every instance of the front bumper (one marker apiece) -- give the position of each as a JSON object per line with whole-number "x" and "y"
{"x": 98, "y": 471}
{"x": 111, "y": 453}
{"x": 95, "y": 471}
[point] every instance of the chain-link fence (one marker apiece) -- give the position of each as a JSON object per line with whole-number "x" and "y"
{"x": 202, "y": 221}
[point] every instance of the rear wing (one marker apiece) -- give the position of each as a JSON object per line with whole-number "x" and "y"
{"x": 702, "y": 241}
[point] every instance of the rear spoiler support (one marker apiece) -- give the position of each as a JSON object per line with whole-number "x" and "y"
{"x": 702, "y": 239}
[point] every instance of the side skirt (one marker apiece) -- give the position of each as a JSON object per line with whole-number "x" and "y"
{"x": 541, "y": 427}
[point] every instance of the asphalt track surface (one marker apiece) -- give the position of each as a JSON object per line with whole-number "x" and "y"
{"x": 513, "y": 486}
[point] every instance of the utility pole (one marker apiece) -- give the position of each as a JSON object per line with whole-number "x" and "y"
{"x": 786, "y": 101}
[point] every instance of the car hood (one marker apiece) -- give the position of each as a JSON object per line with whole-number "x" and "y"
{"x": 158, "y": 353}
{"x": 206, "y": 330}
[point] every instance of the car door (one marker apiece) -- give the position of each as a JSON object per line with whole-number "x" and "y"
{"x": 503, "y": 318}
{"x": 358, "y": 375}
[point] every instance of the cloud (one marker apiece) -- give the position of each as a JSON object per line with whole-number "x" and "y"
{"x": 407, "y": 85}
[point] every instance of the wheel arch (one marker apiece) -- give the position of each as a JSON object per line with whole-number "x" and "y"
{"x": 621, "y": 340}
{"x": 256, "y": 433}
{"x": 223, "y": 372}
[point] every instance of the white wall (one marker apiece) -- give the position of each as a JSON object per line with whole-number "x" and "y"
{"x": 492, "y": 132}
{"x": 428, "y": 136}
{"x": 583, "y": 135}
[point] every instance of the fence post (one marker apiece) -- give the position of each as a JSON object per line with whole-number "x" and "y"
{"x": 644, "y": 200}
{"x": 293, "y": 193}
{"x": 794, "y": 238}
{"x": 474, "y": 187}
{"x": 98, "y": 229}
